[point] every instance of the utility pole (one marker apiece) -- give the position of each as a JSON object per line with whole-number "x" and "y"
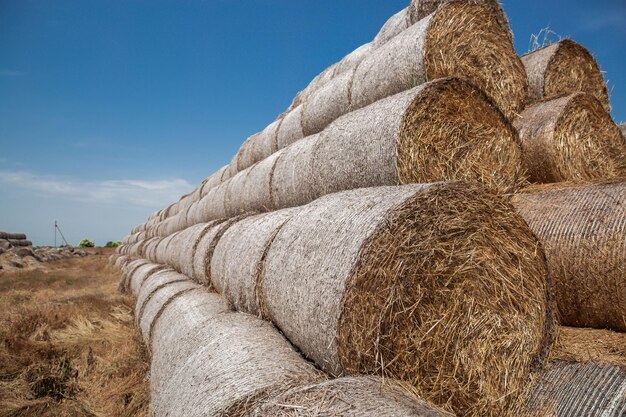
{"x": 56, "y": 227}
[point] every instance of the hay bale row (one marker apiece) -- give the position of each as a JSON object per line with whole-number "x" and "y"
{"x": 582, "y": 229}
{"x": 388, "y": 280}
{"x": 571, "y": 138}
{"x": 15, "y": 243}
{"x": 564, "y": 68}
{"x": 209, "y": 361}
{"x": 461, "y": 39}
{"x": 442, "y": 130}
{"x": 12, "y": 236}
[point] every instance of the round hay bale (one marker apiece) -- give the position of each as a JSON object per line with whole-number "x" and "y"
{"x": 121, "y": 261}
{"x": 257, "y": 188}
{"x": 203, "y": 252}
{"x": 460, "y": 39}
{"x": 582, "y": 229}
{"x": 293, "y": 179}
{"x": 183, "y": 246}
{"x": 419, "y": 9}
{"x": 239, "y": 255}
{"x": 15, "y": 236}
{"x": 243, "y": 157}
{"x": 441, "y": 285}
{"x": 564, "y": 68}
{"x": 161, "y": 251}
{"x": 154, "y": 306}
{"x": 213, "y": 181}
{"x": 327, "y": 104}
{"x": 238, "y": 359}
{"x": 351, "y": 61}
{"x": 571, "y": 138}
{"x": 175, "y": 332}
{"x": 261, "y": 145}
{"x": 148, "y": 288}
{"x": 234, "y": 194}
{"x": 127, "y": 272}
{"x": 290, "y": 130}
{"x": 579, "y": 389}
{"x": 394, "y": 25}
{"x": 3, "y": 235}
{"x": 317, "y": 82}
{"x": 442, "y": 130}
{"x": 212, "y": 206}
{"x": 141, "y": 274}
{"x": 348, "y": 397}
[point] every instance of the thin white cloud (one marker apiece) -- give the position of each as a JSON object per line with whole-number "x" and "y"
{"x": 10, "y": 73}
{"x": 145, "y": 193}
{"x": 616, "y": 19}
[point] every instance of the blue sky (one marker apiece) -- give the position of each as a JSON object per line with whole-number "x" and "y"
{"x": 111, "y": 109}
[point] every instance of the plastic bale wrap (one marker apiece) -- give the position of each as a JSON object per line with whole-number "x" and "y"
{"x": 583, "y": 231}
{"x": 290, "y": 130}
{"x": 571, "y": 138}
{"x": 564, "y": 68}
{"x": 441, "y": 130}
{"x": 441, "y": 285}
{"x": 293, "y": 180}
{"x": 203, "y": 253}
{"x": 238, "y": 258}
{"x": 237, "y": 359}
{"x": 460, "y": 39}
{"x": 348, "y": 397}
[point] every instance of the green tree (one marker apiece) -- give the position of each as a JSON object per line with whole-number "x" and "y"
{"x": 86, "y": 243}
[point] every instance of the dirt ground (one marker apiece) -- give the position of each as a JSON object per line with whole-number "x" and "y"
{"x": 68, "y": 345}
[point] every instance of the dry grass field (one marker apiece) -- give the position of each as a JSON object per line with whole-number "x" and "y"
{"x": 68, "y": 345}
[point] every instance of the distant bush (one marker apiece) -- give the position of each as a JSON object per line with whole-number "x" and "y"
{"x": 113, "y": 244}
{"x": 86, "y": 243}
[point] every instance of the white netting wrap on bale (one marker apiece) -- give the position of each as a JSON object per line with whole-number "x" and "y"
{"x": 239, "y": 254}
{"x": 230, "y": 360}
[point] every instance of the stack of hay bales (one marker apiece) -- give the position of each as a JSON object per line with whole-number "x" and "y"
{"x": 314, "y": 227}
{"x": 13, "y": 240}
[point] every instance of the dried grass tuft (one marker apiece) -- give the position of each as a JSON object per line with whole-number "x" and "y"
{"x": 582, "y": 229}
{"x": 441, "y": 285}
